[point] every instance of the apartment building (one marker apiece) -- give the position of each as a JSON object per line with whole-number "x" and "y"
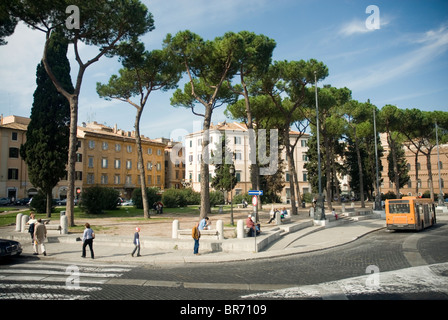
{"x": 237, "y": 137}
{"x": 106, "y": 156}
{"x": 418, "y": 185}
{"x": 14, "y": 180}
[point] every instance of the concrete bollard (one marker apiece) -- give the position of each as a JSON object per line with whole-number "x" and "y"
{"x": 19, "y": 222}
{"x": 278, "y": 218}
{"x": 64, "y": 224}
{"x": 175, "y": 229}
{"x": 25, "y": 219}
{"x": 240, "y": 229}
{"x": 220, "y": 228}
{"x": 343, "y": 208}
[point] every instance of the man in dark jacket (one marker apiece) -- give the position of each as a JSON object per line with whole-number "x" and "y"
{"x": 136, "y": 242}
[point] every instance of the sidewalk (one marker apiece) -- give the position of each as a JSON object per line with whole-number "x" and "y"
{"x": 163, "y": 251}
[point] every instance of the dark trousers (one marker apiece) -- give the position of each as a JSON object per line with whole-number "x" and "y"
{"x": 196, "y": 246}
{"x": 137, "y": 248}
{"x": 88, "y": 242}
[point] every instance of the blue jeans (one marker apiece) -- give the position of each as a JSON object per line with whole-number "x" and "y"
{"x": 196, "y": 246}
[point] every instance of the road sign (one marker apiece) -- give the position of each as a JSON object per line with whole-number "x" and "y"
{"x": 254, "y": 200}
{"x": 256, "y": 192}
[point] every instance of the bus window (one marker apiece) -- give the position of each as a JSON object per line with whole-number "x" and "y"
{"x": 399, "y": 208}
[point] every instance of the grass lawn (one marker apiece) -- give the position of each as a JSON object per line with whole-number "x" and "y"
{"x": 8, "y": 214}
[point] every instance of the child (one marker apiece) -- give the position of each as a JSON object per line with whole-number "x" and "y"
{"x": 136, "y": 242}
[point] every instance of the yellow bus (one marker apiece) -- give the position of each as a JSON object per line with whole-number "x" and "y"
{"x": 410, "y": 213}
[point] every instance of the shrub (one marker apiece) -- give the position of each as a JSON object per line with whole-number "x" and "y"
{"x": 95, "y": 200}
{"x": 173, "y": 198}
{"x": 39, "y": 203}
{"x": 192, "y": 197}
{"x": 152, "y": 193}
{"x": 216, "y": 198}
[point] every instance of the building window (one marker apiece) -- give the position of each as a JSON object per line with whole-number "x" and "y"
{"x": 129, "y": 148}
{"x": 90, "y": 162}
{"x": 237, "y": 140}
{"x": 91, "y": 144}
{"x": 14, "y": 136}
{"x": 238, "y": 176}
{"x": 149, "y": 180}
{"x": 105, "y": 145}
{"x": 90, "y": 178}
{"x": 104, "y": 163}
{"x": 78, "y": 175}
{"x": 128, "y": 164}
{"x": 159, "y": 180}
{"x": 149, "y": 150}
{"x": 305, "y": 176}
{"x": 159, "y": 152}
{"x": 79, "y": 157}
{"x": 104, "y": 179}
{"x": 13, "y": 152}
{"x": 117, "y": 147}
{"x": 149, "y": 165}
{"x": 158, "y": 166}
{"x": 13, "y": 174}
{"x": 117, "y": 164}
{"x": 128, "y": 179}
{"x": 303, "y": 143}
{"x": 238, "y": 156}
{"x": 117, "y": 179}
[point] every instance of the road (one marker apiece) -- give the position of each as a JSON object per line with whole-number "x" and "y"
{"x": 381, "y": 265}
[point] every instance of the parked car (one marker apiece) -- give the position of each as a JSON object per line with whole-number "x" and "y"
{"x": 5, "y": 201}
{"x": 9, "y": 248}
{"x": 127, "y": 203}
{"x": 22, "y": 202}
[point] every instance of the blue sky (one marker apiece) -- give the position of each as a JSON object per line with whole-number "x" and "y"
{"x": 404, "y": 62}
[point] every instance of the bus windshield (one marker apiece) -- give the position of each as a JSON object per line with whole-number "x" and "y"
{"x": 399, "y": 206}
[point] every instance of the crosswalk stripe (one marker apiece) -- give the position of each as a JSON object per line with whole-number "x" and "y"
{"x": 39, "y": 280}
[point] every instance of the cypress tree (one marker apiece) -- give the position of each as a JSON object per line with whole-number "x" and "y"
{"x": 46, "y": 149}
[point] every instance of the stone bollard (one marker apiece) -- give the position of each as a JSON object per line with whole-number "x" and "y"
{"x": 278, "y": 218}
{"x": 64, "y": 224}
{"x": 175, "y": 229}
{"x": 25, "y": 219}
{"x": 220, "y": 228}
{"x": 343, "y": 208}
{"x": 19, "y": 222}
{"x": 312, "y": 212}
{"x": 240, "y": 229}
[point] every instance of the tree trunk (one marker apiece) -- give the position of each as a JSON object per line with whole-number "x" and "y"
{"x": 140, "y": 164}
{"x": 73, "y": 146}
{"x": 328, "y": 171}
{"x": 205, "y": 187}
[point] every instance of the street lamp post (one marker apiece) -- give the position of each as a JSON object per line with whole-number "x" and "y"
{"x": 319, "y": 213}
{"x": 231, "y": 171}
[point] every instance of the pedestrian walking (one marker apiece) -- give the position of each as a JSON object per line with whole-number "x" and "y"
{"x": 136, "y": 242}
{"x": 87, "y": 240}
{"x": 32, "y": 223}
{"x": 40, "y": 234}
{"x": 196, "y": 234}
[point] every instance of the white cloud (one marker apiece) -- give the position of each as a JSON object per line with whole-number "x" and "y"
{"x": 358, "y": 26}
{"x": 430, "y": 44}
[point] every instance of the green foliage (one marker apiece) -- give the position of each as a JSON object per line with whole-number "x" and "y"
{"x": 192, "y": 197}
{"x": 95, "y": 200}
{"x": 173, "y": 198}
{"x": 46, "y": 149}
{"x": 39, "y": 202}
{"x": 216, "y": 198}
{"x": 152, "y": 193}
